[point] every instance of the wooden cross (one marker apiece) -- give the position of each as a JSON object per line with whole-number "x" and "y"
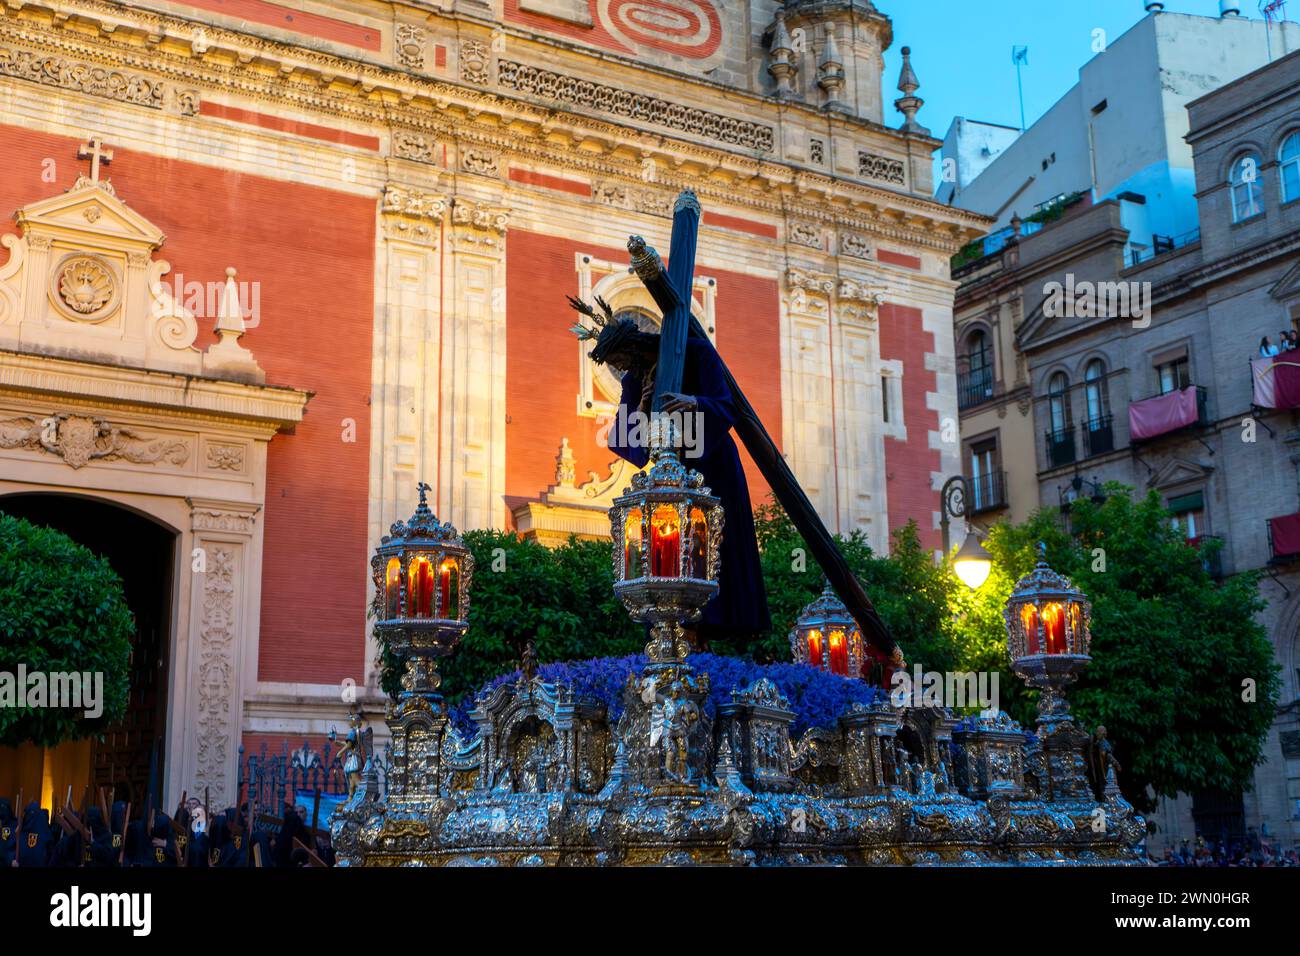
{"x": 671, "y": 290}
{"x": 96, "y": 153}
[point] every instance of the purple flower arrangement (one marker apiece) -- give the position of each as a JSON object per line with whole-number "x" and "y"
{"x": 817, "y": 698}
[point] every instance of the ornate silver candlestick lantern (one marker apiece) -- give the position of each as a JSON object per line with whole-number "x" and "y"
{"x": 422, "y": 573}
{"x": 667, "y": 531}
{"x": 1047, "y": 621}
{"x": 827, "y": 637}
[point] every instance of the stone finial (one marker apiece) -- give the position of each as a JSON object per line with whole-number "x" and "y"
{"x": 830, "y": 70}
{"x": 783, "y": 66}
{"x": 226, "y": 356}
{"x": 230, "y": 315}
{"x": 565, "y": 471}
{"x": 909, "y": 104}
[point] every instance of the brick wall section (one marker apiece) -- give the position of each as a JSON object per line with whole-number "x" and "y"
{"x": 532, "y": 177}
{"x": 325, "y": 134}
{"x": 315, "y": 553}
{"x": 892, "y": 258}
{"x": 909, "y": 464}
{"x": 542, "y": 369}
{"x": 295, "y": 20}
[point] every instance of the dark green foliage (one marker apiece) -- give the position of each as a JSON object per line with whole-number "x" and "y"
{"x": 1171, "y": 647}
{"x": 61, "y": 609}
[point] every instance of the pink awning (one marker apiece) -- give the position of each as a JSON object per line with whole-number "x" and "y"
{"x": 1162, "y": 414}
{"x": 1286, "y": 534}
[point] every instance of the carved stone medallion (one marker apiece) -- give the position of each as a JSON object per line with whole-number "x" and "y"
{"x": 84, "y": 288}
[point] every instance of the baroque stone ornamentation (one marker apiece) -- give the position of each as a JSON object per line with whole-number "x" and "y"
{"x": 806, "y": 234}
{"x": 82, "y": 77}
{"x": 871, "y": 166}
{"x": 80, "y": 439}
{"x": 637, "y": 199}
{"x": 475, "y": 62}
{"x": 216, "y": 672}
{"x": 225, "y": 457}
{"x": 855, "y": 244}
{"x": 481, "y": 162}
{"x": 416, "y": 146}
{"x": 409, "y": 44}
{"x": 575, "y": 91}
{"x": 84, "y": 287}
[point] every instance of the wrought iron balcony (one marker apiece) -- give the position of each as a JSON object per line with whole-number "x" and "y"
{"x": 1060, "y": 447}
{"x": 1098, "y": 436}
{"x": 974, "y": 387}
{"x": 987, "y": 492}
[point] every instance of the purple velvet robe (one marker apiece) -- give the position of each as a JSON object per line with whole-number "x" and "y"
{"x": 740, "y": 607}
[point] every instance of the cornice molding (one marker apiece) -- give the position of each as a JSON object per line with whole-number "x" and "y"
{"x": 263, "y": 408}
{"x": 161, "y": 48}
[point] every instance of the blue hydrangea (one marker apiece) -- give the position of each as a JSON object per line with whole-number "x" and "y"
{"x": 817, "y": 698}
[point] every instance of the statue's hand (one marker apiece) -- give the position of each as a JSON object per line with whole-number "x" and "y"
{"x": 677, "y": 402}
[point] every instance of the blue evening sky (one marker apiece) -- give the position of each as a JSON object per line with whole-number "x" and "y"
{"x": 961, "y": 51}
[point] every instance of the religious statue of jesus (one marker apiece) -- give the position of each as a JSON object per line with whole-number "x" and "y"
{"x": 738, "y": 612}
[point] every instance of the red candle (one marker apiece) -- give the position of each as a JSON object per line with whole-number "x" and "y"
{"x": 1029, "y": 618}
{"x": 839, "y": 654}
{"x": 632, "y": 546}
{"x": 815, "y": 648}
{"x": 1054, "y": 622}
{"x": 444, "y": 589}
{"x": 420, "y": 590}
{"x": 393, "y": 589}
{"x": 665, "y": 544}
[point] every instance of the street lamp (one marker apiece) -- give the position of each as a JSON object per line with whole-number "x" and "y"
{"x": 972, "y": 562}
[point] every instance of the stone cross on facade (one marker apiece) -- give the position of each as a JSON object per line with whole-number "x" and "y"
{"x": 94, "y": 151}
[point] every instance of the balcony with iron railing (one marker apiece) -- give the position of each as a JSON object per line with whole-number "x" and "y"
{"x": 1060, "y": 447}
{"x": 974, "y": 387}
{"x": 987, "y": 492}
{"x": 1098, "y": 435}
{"x": 1167, "y": 413}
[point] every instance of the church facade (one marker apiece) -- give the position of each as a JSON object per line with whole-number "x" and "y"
{"x": 271, "y": 264}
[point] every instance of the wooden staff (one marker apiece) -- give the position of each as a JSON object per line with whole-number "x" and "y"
{"x": 311, "y": 855}
{"x": 18, "y": 841}
{"x": 126, "y": 819}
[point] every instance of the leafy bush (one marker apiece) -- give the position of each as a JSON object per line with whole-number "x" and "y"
{"x": 62, "y": 609}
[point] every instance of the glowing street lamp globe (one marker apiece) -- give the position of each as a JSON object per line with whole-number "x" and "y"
{"x": 972, "y": 562}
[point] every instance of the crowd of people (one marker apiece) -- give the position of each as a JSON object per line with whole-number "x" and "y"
{"x": 94, "y": 838}
{"x": 1287, "y": 341}
{"x": 1250, "y": 852}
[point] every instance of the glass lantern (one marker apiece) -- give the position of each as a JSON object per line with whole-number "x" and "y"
{"x": 826, "y": 636}
{"x": 421, "y": 572}
{"x": 1047, "y": 621}
{"x": 667, "y": 531}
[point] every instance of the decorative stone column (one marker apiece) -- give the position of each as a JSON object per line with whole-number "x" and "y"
{"x": 810, "y": 432}
{"x": 223, "y": 596}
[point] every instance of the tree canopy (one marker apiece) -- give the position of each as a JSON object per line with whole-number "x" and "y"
{"x": 62, "y": 610}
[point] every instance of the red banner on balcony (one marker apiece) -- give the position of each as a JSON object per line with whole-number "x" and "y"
{"x": 1277, "y": 381}
{"x": 1162, "y": 414}
{"x": 1286, "y": 534}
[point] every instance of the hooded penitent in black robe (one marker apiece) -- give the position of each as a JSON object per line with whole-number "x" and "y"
{"x": 100, "y": 851}
{"x": 740, "y": 607}
{"x": 37, "y": 841}
{"x": 8, "y": 833}
{"x": 164, "y": 854}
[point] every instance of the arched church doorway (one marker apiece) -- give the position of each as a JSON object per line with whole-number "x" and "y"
{"x": 142, "y": 552}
